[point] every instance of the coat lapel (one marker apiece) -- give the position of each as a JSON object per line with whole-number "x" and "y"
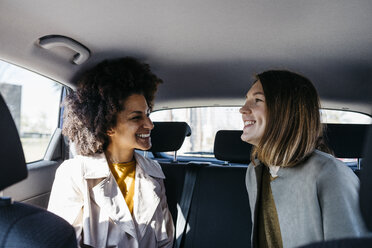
{"x": 148, "y": 192}
{"x": 258, "y": 172}
{"x": 255, "y": 179}
{"x": 146, "y": 199}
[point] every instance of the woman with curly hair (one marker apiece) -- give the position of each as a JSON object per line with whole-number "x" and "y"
{"x": 297, "y": 193}
{"x": 113, "y": 196}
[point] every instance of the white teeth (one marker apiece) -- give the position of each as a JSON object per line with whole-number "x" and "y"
{"x": 143, "y": 135}
{"x": 246, "y": 123}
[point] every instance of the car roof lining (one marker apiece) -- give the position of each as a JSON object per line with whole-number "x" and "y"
{"x": 216, "y": 45}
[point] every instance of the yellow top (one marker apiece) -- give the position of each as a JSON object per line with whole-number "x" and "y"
{"x": 124, "y": 174}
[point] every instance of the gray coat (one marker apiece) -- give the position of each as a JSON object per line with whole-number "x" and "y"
{"x": 316, "y": 200}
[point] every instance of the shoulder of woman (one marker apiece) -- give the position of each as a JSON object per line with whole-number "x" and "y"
{"x": 328, "y": 161}
{"x": 69, "y": 174}
{"x": 74, "y": 167}
{"x": 149, "y": 166}
{"x": 332, "y": 169}
{"x": 71, "y": 164}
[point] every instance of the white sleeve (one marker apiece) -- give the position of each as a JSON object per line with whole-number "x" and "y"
{"x": 66, "y": 198}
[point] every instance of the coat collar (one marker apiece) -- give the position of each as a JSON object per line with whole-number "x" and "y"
{"x": 96, "y": 166}
{"x": 150, "y": 167}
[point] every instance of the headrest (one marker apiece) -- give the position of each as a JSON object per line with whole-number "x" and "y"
{"x": 228, "y": 146}
{"x": 12, "y": 161}
{"x": 346, "y": 140}
{"x": 365, "y": 196}
{"x": 168, "y": 136}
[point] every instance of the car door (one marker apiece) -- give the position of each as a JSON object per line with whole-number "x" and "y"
{"x": 34, "y": 102}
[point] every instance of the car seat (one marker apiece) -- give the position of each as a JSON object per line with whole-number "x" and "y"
{"x": 23, "y": 225}
{"x": 169, "y": 136}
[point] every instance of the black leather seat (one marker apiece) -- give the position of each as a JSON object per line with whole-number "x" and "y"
{"x": 169, "y": 136}
{"x": 346, "y": 140}
{"x": 365, "y": 194}
{"x": 23, "y": 225}
{"x": 229, "y": 147}
{"x": 219, "y": 214}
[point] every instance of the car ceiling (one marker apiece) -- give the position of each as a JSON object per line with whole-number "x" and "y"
{"x": 205, "y": 51}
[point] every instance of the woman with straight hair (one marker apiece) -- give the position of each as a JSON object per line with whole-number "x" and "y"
{"x": 112, "y": 195}
{"x": 298, "y": 194}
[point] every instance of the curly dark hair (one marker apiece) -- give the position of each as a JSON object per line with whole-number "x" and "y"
{"x": 92, "y": 109}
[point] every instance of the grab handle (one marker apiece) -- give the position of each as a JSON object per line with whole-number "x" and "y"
{"x": 51, "y": 41}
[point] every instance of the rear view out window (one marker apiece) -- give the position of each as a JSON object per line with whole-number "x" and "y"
{"x": 206, "y": 121}
{"x": 33, "y": 101}
{"x": 346, "y": 117}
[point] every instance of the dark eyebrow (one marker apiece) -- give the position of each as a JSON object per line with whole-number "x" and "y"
{"x": 136, "y": 112}
{"x": 140, "y": 112}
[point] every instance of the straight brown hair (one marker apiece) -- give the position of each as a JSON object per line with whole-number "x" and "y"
{"x": 293, "y": 127}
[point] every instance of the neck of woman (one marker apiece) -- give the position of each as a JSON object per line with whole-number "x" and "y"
{"x": 115, "y": 155}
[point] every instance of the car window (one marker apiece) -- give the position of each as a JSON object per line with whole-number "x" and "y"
{"x": 206, "y": 121}
{"x": 344, "y": 117}
{"x": 33, "y": 101}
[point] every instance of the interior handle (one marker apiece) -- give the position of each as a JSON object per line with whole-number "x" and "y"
{"x": 51, "y": 41}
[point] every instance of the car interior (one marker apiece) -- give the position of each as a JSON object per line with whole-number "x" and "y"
{"x": 24, "y": 225}
{"x": 207, "y": 53}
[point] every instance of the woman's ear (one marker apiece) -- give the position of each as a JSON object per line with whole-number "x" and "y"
{"x": 110, "y": 132}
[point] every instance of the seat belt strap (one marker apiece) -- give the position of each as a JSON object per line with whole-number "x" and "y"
{"x": 185, "y": 203}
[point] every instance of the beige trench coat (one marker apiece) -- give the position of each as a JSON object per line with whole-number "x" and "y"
{"x": 86, "y": 194}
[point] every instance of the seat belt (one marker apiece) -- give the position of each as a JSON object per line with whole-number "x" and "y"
{"x": 185, "y": 203}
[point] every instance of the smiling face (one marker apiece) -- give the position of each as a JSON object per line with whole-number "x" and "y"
{"x": 254, "y": 113}
{"x": 132, "y": 130}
